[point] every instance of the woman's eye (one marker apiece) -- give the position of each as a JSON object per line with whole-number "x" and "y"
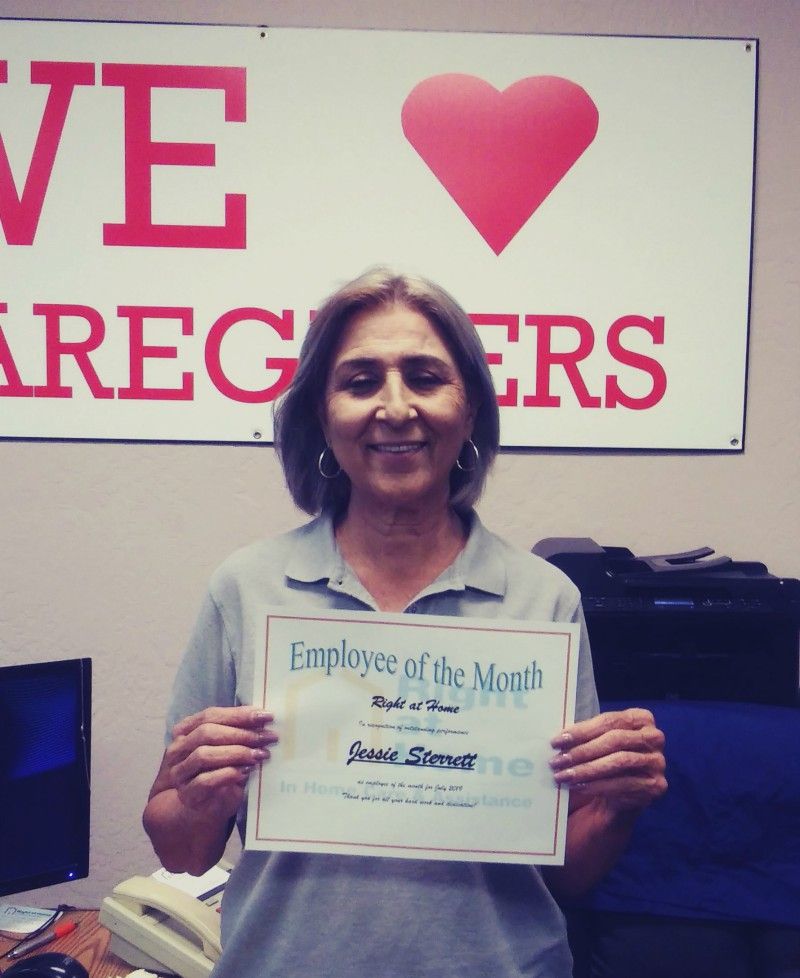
{"x": 425, "y": 381}
{"x": 361, "y": 383}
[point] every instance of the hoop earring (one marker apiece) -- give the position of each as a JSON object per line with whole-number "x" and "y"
{"x": 476, "y": 460}
{"x": 320, "y": 461}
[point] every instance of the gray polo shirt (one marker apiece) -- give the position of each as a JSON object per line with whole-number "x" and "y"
{"x": 298, "y": 915}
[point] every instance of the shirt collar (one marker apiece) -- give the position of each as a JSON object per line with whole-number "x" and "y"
{"x": 315, "y": 556}
{"x": 480, "y": 564}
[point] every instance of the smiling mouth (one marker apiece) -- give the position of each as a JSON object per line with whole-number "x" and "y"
{"x": 398, "y": 448}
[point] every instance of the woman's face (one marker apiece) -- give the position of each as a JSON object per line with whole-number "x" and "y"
{"x": 395, "y": 411}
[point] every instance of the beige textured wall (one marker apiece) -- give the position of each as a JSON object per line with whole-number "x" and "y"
{"x": 106, "y": 548}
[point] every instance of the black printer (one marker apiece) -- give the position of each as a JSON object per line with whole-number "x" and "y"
{"x": 684, "y": 626}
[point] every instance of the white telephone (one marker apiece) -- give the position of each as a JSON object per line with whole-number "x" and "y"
{"x": 162, "y": 926}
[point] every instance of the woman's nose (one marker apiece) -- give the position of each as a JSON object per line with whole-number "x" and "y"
{"x": 396, "y": 402}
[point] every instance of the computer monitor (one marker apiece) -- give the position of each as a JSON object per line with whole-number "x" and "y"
{"x": 45, "y": 738}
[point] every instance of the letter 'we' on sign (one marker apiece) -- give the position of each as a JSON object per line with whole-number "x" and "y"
{"x": 175, "y": 201}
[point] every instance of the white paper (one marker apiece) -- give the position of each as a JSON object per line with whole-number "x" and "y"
{"x": 413, "y": 736}
{"x": 15, "y": 919}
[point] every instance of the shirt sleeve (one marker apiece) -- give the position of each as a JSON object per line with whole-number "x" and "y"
{"x": 586, "y": 703}
{"x": 206, "y": 675}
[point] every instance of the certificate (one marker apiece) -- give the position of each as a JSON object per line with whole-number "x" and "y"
{"x": 412, "y": 736}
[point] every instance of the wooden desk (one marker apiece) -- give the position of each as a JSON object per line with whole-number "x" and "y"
{"x": 88, "y": 943}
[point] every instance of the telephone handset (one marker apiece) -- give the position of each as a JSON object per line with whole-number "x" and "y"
{"x": 158, "y": 926}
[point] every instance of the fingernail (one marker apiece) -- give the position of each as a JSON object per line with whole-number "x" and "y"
{"x": 564, "y": 776}
{"x": 563, "y": 740}
{"x": 258, "y": 754}
{"x": 261, "y": 716}
{"x": 560, "y": 761}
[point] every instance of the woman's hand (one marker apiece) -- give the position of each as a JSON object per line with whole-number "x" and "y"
{"x": 211, "y": 755}
{"x": 615, "y": 757}
{"x": 200, "y": 784}
{"x": 614, "y": 766}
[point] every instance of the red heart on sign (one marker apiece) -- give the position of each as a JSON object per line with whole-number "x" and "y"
{"x": 499, "y": 154}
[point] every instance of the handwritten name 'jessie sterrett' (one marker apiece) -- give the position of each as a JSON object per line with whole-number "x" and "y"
{"x": 414, "y": 756}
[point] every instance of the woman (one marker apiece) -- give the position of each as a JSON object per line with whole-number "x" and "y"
{"x": 388, "y": 431}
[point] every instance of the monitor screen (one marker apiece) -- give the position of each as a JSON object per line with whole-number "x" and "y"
{"x": 45, "y": 738}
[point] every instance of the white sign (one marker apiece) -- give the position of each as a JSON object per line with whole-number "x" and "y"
{"x": 175, "y": 201}
{"x": 459, "y": 773}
